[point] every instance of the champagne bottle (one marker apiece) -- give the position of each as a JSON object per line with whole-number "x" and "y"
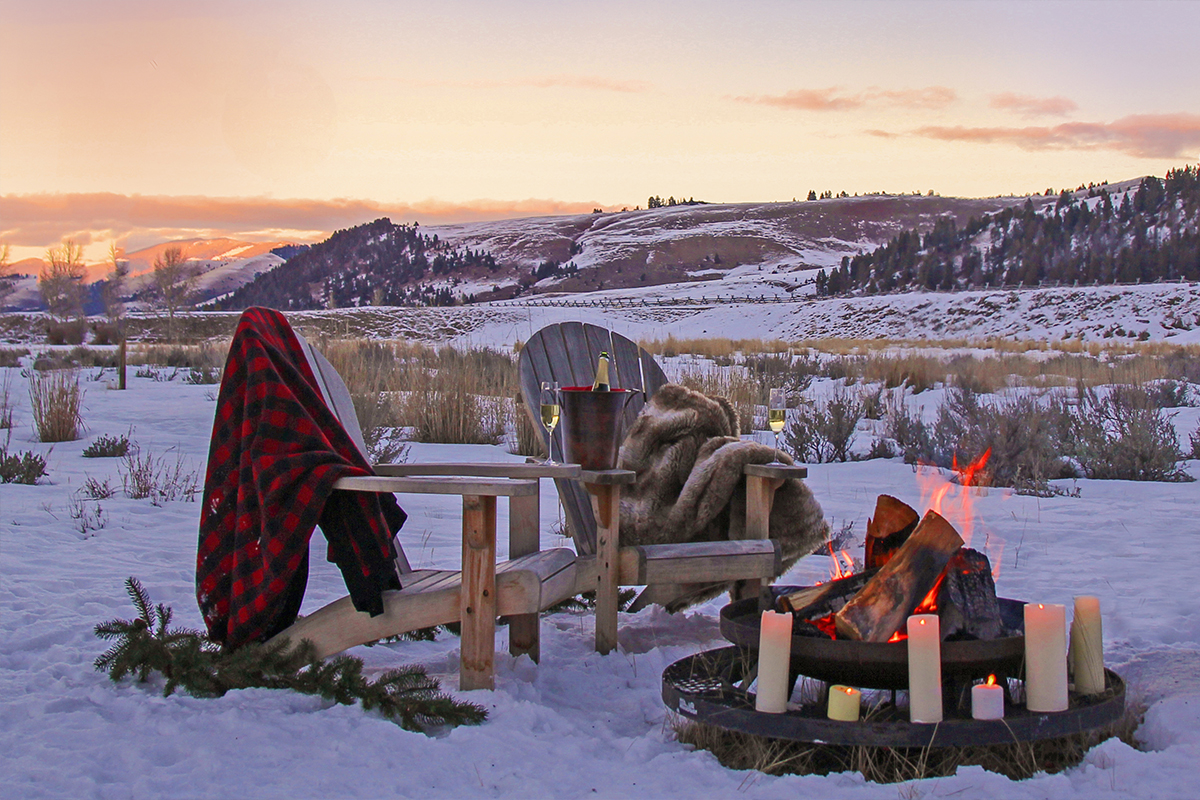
{"x": 601, "y": 383}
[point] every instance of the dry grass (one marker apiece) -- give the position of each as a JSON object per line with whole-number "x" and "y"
{"x": 1018, "y": 761}
{"x": 56, "y": 402}
{"x": 445, "y": 395}
{"x": 206, "y": 355}
{"x": 716, "y": 347}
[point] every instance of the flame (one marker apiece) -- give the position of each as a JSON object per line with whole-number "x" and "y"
{"x": 843, "y": 563}
{"x": 991, "y": 681}
{"x": 954, "y": 501}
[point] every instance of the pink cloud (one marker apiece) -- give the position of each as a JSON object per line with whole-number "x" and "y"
{"x": 1141, "y": 135}
{"x": 43, "y": 220}
{"x": 1029, "y": 106}
{"x": 833, "y": 99}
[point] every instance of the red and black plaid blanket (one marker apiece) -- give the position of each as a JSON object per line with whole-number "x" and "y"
{"x": 276, "y": 451}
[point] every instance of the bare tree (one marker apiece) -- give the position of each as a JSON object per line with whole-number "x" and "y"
{"x": 175, "y": 282}
{"x": 6, "y": 284}
{"x": 61, "y": 280}
{"x": 114, "y": 284}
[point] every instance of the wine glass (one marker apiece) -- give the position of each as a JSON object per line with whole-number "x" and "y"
{"x": 550, "y": 412}
{"x": 777, "y": 416}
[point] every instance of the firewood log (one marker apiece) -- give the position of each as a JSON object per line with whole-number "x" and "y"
{"x": 878, "y": 611}
{"x": 825, "y": 598}
{"x": 891, "y": 526}
{"x": 966, "y": 599}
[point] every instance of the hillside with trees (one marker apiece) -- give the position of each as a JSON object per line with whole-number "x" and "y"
{"x": 378, "y": 263}
{"x": 1147, "y": 233}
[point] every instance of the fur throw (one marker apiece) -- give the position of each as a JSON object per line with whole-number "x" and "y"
{"x": 689, "y": 462}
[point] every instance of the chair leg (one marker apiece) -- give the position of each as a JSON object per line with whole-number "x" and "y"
{"x": 478, "y": 597}
{"x": 606, "y": 507}
{"x": 523, "y": 524}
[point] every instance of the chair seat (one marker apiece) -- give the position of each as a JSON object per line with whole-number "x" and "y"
{"x": 524, "y": 585}
{"x": 689, "y": 562}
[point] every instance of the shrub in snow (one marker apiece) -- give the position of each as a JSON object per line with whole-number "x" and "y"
{"x": 26, "y": 468}
{"x": 1021, "y": 434}
{"x": 1123, "y": 435}
{"x": 824, "y": 432}
{"x": 106, "y": 446}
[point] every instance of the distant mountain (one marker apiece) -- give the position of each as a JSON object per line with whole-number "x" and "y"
{"x": 379, "y": 263}
{"x": 1138, "y": 232}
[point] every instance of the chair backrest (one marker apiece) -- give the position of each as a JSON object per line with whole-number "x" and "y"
{"x": 567, "y": 353}
{"x": 338, "y": 398}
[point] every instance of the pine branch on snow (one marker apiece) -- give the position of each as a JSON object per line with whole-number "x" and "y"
{"x": 191, "y": 662}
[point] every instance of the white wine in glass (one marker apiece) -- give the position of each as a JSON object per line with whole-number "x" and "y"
{"x": 777, "y": 416}
{"x": 550, "y": 414}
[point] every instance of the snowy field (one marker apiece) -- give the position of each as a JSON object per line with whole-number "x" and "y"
{"x": 576, "y": 725}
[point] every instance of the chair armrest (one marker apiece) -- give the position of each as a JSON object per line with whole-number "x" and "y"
{"x": 482, "y": 470}
{"x": 499, "y": 487}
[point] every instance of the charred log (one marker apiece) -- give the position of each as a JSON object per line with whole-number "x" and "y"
{"x": 967, "y": 601}
{"x": 893, "y": 522}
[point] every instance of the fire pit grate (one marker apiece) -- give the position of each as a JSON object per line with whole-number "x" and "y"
{"x": 703, "y": 687}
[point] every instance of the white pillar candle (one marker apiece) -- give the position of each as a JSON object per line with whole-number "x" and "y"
{"x": 1045, "y": 657}
{"x": 844, "y": 703}
{"x": 1087, "y": 646}
{"x": 924, "y": 668}
{"x": 774, "y": 655}
{"x": 987, "y": 700}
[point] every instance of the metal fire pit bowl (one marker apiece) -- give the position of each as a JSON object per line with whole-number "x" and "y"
{"x": 882, "y": 665}
{"x": 702, "y": 687}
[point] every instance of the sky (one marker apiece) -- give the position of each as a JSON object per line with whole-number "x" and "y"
{"x": 135, "y": 122}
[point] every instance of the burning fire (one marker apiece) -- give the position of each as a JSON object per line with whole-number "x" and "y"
{"x": 843, "y": 563}
{"x": 958, "y": 509}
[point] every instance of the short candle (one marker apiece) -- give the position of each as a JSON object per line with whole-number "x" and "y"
{"x": 1045, "y": 657}
{"x": 987, "y": 700}
{"x": 774, "y": 656}
{"x": 924, "y": 668}
{"x": 844, "y": 703}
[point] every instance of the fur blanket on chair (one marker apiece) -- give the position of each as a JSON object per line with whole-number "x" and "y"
{"x": 689, "y": 462}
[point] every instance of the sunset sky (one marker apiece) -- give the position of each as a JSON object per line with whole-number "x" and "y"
{"x": 144, "y": 121}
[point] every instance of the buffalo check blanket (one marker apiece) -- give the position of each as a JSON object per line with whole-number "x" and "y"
{"x": 276, "y": 452}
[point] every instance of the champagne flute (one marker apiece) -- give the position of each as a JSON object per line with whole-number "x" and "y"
{"x": 777, "y": 416}
{"x": 550, "y": 412}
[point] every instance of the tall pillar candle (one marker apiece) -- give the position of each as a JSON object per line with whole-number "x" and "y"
{"x": 1045, "y": 657}
{"x": 924, "y": 668}
{"x": 1087, "y": 646}
{"x": 774, "y": 655}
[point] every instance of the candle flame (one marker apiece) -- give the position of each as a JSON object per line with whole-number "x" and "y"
{"x": 991, "y": 681}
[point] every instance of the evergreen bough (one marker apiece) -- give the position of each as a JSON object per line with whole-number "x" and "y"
{"x": 197, "y": 665}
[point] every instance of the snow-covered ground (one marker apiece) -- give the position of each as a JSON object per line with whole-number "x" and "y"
{"x": 576, "y": 725}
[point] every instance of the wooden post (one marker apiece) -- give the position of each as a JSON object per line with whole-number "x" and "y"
{"x": 605, "y": 506}
{"x": 523, "y": 524}
{"x": 477, "y": 600}
{"x": 121, "y": 363}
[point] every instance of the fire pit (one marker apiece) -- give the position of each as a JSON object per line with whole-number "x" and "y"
{"x": 851, "y": 631}
{"x": 882, "y": 665}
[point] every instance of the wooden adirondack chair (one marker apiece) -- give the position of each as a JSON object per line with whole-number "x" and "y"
{"x": 567, "y": 353}
{"x": 530, "y": 582}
